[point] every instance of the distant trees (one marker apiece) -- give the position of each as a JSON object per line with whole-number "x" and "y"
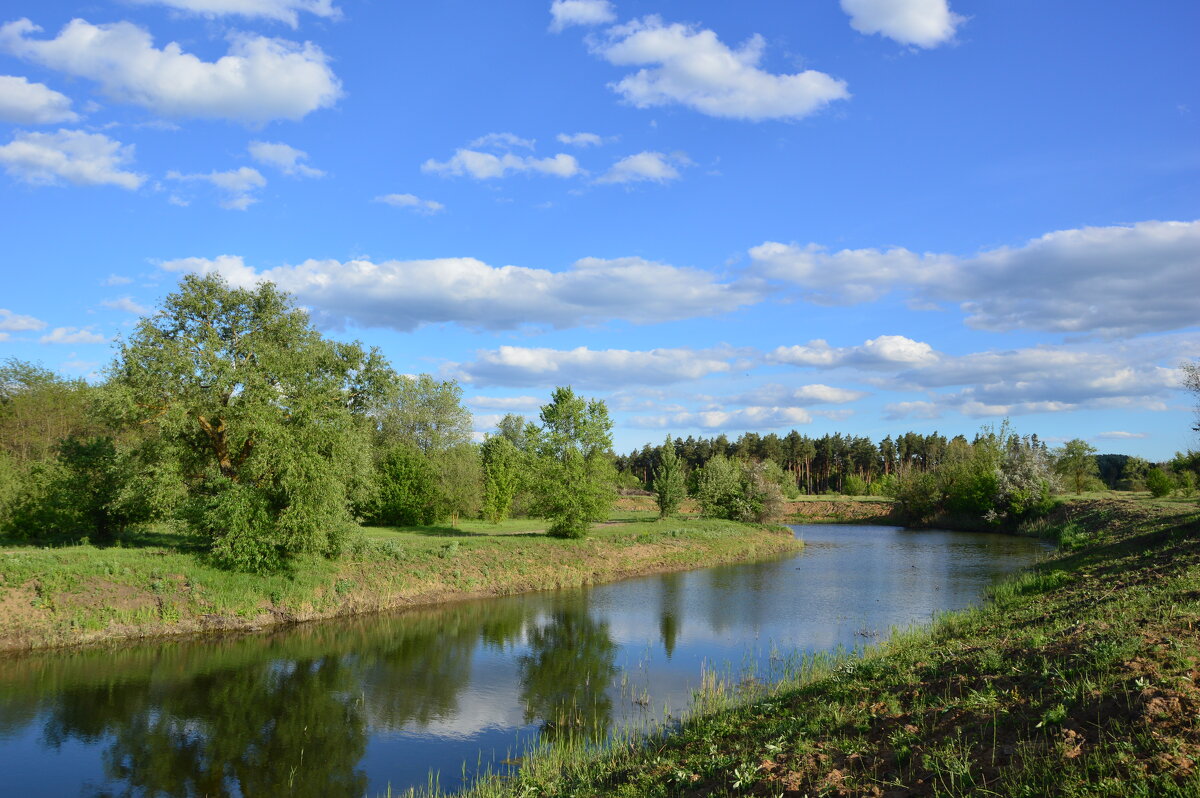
{"x": 573, "y": 476}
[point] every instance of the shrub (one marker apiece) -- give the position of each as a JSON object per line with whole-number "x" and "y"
{"x": 1159, "y": 483}
{"x": 854, "y": 485}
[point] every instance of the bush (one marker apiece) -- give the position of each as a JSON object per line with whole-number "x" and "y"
{"x": 738, "y": 491}
{"x": 854, "y": 485}
{"x": 917, "y": 494}
{"x": 408, "y": 489}
{"x": 1159, "y": 483}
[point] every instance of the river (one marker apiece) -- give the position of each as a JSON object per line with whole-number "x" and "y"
{"x": 351, "y": 707}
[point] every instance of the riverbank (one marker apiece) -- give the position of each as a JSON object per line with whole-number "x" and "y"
{"x": 1079, "y": 677}
{"x": 82, "y": 594}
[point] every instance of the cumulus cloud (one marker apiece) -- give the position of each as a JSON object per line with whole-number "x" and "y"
{"x": 236, "y": 185}
{"x": 923, "y": 23}
{"x": 486, "y": 165}
{"x": 126, "y": 304}
{"x": 1115, "y": 281}
{"x": 683, "y": 65}
{"x": 85, "y": 159}
{"x": 412, "y": 202}
{"x": 592, "y": 368}
{"x": 884, "y": 352}
{"x": 285, "y": 11}
{"x": 645, "y": 167}
{"x": 15, "y": 322}
{"x": 73, "y": 335}
{"x": 25, "y": 103}
{"x": 580, "y": 139}
{"x": 565, "y": 13}
{"x": 920, "y": 409}
{"x": 745, "y": 418}
{"x": 282, "y": 157}
{"x": 258, "y": 80}
{"x": 404, "y": 295}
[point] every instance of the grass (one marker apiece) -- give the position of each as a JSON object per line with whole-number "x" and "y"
{"x": 1078, "y": 678}
{"x": 161, "y": 585}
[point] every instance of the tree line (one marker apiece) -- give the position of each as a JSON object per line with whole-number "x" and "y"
{"x": 227, "y": 414}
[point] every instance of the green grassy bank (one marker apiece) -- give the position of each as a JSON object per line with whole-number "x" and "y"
{"x": 157, "y": 585}
{"x": 1080, "y": 676}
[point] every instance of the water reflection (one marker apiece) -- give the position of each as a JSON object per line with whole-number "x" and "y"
{"x": 349, "y": 708}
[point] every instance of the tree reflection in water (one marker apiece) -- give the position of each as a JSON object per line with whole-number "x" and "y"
{"x": 566, "y": 674}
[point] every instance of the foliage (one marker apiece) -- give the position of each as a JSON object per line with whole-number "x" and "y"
{"x": 38, "y": 409}
{"x": 1185, "y": 483}
{"x": 501, "y": 477}
{"x": 738, "y": 491}
{"x": 408, "y": 491}
{"x": 573, "y": 475}
{"x": 1075, "y": 461}
{"x": 917, "y": 494}
{"x": 1191, "y": 381}
{"x": 263, "y": 417}
{"x": 1134, "y": 473}
{"x": 670, "y": 488}
{"x": 424, "y": 413}
{"x": 459, "y": 480}
{"x": 1159, "y": 483}
{"x": 854, "y": 485}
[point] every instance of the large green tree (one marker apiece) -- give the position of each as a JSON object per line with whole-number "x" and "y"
{"x": 574, "y": 475}
{"x": 262, "y": 417}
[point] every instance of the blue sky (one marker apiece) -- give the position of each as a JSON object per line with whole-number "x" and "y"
{"x": 864, "y": 216}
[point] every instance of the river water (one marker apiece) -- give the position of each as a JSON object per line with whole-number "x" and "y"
{"x": 351, "y": 707}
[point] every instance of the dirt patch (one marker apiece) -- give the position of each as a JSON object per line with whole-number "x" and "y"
{"x": 103, "y": 593}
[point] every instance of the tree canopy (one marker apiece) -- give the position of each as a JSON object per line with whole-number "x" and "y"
{"x": 262, "y": 417}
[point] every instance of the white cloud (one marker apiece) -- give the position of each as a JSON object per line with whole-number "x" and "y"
{"x": 73, "y": 335}
{"x": 15, "y": 322}
{"x": 565, "y": 13}
{"x": 806, "y": 395}
{"x": 921, "y": 409}
{"x": 884, "y": 352}
{"x": 236, "y": 185}
{"x": 580, "y": 139}
{"x": 404, "y": 295}
{"x": 260, "y": 79}
{"x": 644, "y": 166}
{"x": 126, "y": 304}
{"x": 25, "y": 103}
{"x": 412, "y": 202}
{"x": 486, "y": 166}
{"x": 286, "y": 11}
{"x": 692, "y": 67}
{"x": 503, "y": 141}
{"x": 1120, "y": 435}
{"x": 513, "y": 403}
{"x": 85, "y": 159}
{"x": 116, "y": 279}
{"x": 1116, "y": 281}
{"x": 924, "y": 23}
{"x": 746, "y": 418}
{"x": 284, "y": 158}
{"x": 592, "y": 368}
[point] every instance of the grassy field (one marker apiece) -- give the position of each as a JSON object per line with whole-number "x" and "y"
{"x": 159, "y": 585}
{"x": 1080, "y": 677}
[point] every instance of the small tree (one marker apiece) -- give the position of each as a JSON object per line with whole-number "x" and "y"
{"x": 718, "y": 488}
{"x": 1076, "y": 463}
{"x": 1159, "y": 483}
{"x": 573, "y": 474}
{"x": 501, "y": 477}
{"x": 669, "y": 484}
